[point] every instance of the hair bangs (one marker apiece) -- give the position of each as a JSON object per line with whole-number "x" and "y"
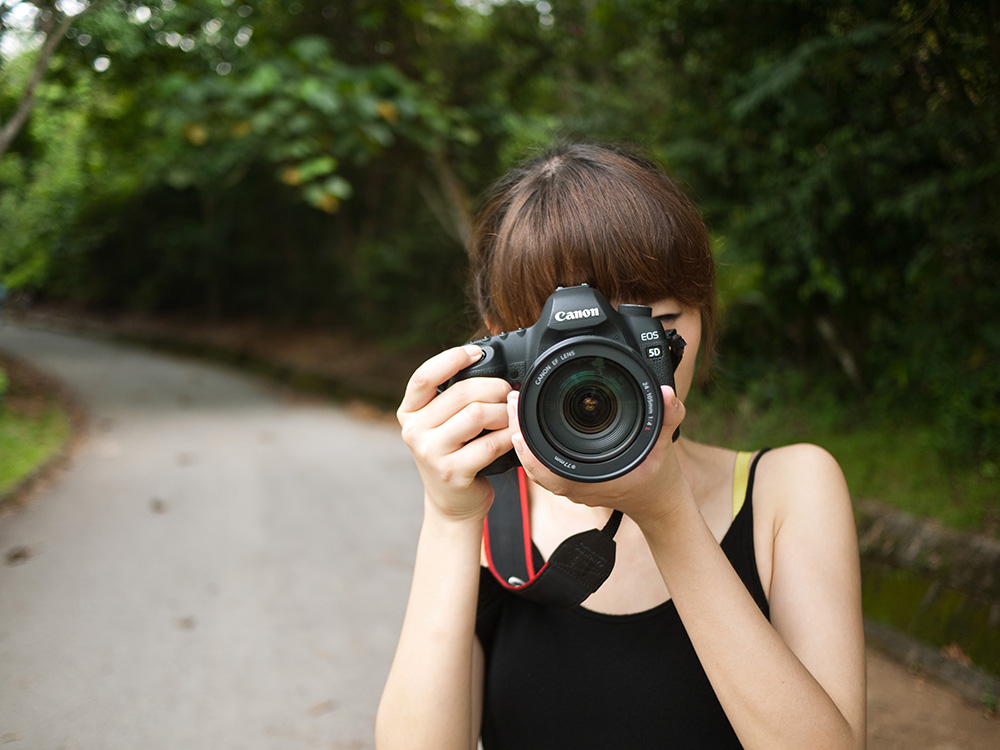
{"x": 589, "y": 215}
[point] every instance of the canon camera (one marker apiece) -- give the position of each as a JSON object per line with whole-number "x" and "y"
{"x": 590, "y": 407}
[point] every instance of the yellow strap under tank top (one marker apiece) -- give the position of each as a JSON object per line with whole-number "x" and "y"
{"x": 741, "y": 478}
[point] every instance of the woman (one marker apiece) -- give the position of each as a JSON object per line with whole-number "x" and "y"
{"x": 732, "y": 616}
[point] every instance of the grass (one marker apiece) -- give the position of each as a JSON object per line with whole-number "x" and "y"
{"x": 34, "y": 426}
{"x": 893, "y": 460}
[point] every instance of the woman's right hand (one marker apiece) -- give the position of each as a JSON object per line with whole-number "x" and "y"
{"x": 443, "y": 431}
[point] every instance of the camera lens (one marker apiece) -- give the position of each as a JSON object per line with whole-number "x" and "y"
{"x": 591, "y": 408}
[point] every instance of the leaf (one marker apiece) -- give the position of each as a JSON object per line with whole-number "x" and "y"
{"x": 377, "y": 133}
{"x": 265, "y": 79}
{"x": 338, "y": 186}
{"x": 317, "y": 167}
{"x": 774, "y": 81}
{"x": 311, "y": 49}
{"x": 322, "y": 199}
{"x": 388, "y": 111}
{"x": 319, "y": 95}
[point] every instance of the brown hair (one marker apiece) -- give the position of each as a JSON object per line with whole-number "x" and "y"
{"x": 590, "y": 214}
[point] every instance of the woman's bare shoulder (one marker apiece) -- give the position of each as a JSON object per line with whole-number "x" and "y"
{"x": 804, "y": 460}
{"x": 803, "y": 466}
{"x": 802, "y": 483}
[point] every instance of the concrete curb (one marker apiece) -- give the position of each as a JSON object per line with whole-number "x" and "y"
{"x": 967, "y": 562}
{"x": 932, "y": 598}
{"x": 975, "y": 685}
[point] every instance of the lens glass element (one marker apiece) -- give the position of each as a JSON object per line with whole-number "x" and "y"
{"x": 591, "y": 408}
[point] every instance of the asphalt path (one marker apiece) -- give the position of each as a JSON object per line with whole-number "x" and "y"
{"x": 220, "y": 566}
{"x": 224, "y": 565}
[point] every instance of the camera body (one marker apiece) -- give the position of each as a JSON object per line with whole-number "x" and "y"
{"x": 589, "y": 376}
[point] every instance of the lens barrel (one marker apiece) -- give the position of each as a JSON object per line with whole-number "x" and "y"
{"x": 590, "y": 409}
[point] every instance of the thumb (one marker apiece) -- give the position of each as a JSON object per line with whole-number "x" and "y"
{"x": 673, "y": 410}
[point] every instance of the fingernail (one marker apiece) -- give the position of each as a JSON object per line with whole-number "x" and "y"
{"x": 473, "y": 351}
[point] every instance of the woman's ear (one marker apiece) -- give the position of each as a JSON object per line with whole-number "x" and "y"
{"x": 491, "y": 327}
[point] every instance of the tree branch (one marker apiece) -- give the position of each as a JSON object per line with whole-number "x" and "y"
{"x": 52, "y": 39}
{"x": 844, "y": 357}
{"x": 451, "y": 204}
{"x": 55, "y": 31}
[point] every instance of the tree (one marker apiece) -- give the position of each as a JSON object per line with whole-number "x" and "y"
{"x": 50, "y": 22}
{"x": 848, "y": 151}
{"x": 316, "y": 162}
{"x": 202, "y": 100}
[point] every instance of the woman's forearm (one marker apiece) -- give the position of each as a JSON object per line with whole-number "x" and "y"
{"x": 427, "y": 701}
{"x": 769, "y": 696}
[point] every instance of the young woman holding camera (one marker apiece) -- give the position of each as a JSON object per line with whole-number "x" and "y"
{"x": 732, "y": 616}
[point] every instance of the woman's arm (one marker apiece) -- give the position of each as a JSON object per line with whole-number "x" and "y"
{"x": 432, "y": 697}
{"x": 798, "y": 680}
{"x": 429, "y": 699}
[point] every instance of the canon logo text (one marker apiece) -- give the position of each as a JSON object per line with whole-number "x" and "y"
{"x": 589, "y": 312}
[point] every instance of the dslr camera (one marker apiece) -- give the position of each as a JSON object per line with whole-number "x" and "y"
{"x": 589, "y": 376}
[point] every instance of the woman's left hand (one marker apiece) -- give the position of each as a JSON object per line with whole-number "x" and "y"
{"x": 648, "y": 492}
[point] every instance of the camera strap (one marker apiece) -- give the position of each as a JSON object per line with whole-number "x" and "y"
{"x": 574, "y": 570}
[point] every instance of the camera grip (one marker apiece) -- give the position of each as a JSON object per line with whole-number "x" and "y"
{"x": 505, "y": 463}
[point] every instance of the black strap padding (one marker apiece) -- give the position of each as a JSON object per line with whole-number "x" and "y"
{"x": 505, "y": 526}
{"x": 575, "y": 569}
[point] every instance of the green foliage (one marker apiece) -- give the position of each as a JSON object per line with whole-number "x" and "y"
{"x": 166, "y": 138}
{"x": 853, "y": 158}
{"x": 844, "y": 153}
{"x": 49, "y": 192}
{"x": 302, "y": 111}
{"x": 891, "y": 457}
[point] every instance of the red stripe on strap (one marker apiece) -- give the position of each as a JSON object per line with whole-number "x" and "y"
{"x": 529, "y": 558}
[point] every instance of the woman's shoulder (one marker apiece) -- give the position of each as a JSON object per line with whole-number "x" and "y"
{"x": 801, "y": 466}
{"x": 785, "y": 473}
{"x": 802, "y": 484}
{"x": 802, "y": 513}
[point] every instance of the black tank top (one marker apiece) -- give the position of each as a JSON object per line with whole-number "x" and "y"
{"x": 574, "y": 678}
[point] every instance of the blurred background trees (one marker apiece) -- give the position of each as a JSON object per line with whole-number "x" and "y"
{"x": 317, "y": 163}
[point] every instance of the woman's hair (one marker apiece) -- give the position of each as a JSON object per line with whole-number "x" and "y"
{"x": 589, "y": 214}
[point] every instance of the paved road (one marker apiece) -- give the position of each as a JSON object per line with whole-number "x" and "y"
{"x": 224, "y": 567}
{"x": 220, "y": 567}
